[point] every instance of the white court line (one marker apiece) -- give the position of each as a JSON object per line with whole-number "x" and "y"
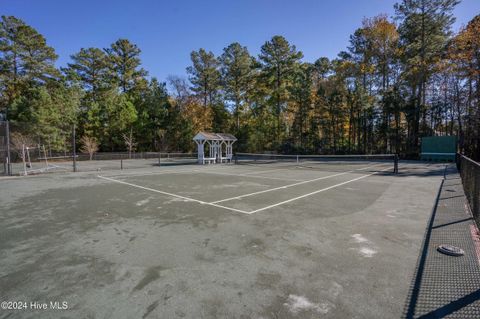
{"x": 172, "y": 195}
{"x": 252, "y": 176}
{"x": 157, "y": 173}
{"x": 290, "y": 185}
{"x": 315, "y": 192}
{"x": 268, "y": 171}
{"x": 206, "y": 172}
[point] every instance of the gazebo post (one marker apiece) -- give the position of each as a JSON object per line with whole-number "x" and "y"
{"x": 229, "y": 154}
{"x": 221, "y": 150}
{"x": 210, "y": 149}
{"x": 228, "y": 149}
{"x": 200, "y": 151}
{"x": 216, "y": 149}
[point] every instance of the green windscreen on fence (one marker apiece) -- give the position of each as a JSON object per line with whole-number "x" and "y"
{"x": 436, "y": 148}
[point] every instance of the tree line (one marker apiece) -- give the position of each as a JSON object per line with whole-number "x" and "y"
{"x": 398, "y": 80}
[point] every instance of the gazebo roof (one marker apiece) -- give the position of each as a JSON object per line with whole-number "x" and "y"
{"x": 214, "y": 137}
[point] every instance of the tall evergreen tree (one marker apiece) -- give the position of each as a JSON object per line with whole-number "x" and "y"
{"x": 279, "y": 59}
{"x": 301, "y": 95}
{"x": 237, "y": 70}
{"x": 321, "y": 69}
{"x": 92, "y": 70}
{"x": 424, "y": 31}
{"x": 152, "y": 115}
{"x": 46, "y": 114}
{"x": 25, "y": 59}
{"x": 124, "y": 58}
{"x": 465, "y": 55}
{"x": 204, "y": 76}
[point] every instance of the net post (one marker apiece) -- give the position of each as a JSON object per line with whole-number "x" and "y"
{"x": 159, "y": 159}
{"x": 395, "y": 164}
{"x": 235, "y": 159}
{"x": 121, "y": 163}
{"x": 298, "y": 159}
{"x": 74, "y": 150}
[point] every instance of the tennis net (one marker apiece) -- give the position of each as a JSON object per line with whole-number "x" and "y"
{"x": 364, "y": 163}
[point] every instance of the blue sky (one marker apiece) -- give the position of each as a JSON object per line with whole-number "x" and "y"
{"x": 167, "y": 31}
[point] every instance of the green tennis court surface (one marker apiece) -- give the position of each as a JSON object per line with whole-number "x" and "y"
{"x": 216, "y": 241}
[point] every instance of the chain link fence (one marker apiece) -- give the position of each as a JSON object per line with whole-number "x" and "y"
{"x": 100, "y": 161}
{"x": 31, "y": 149}
{"x": 470, "y": 174}
{"x": 32, "y": 153}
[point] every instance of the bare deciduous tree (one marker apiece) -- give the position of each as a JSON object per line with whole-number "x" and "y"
{"x": 130, "y": 143}
{"x": 89, "y": 145}
{"x": 18, "y": 141}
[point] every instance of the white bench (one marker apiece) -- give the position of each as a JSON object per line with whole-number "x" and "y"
{"x": 208, "y": 160}
{"x": 228, "y": 159}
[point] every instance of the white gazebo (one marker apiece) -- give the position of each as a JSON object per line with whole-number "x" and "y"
{"x": 215, "y": 141}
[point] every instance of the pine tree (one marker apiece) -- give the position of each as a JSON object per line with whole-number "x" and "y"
{"x": 424, "y": 31}
{"x": 301, "y": 95}
{"x": 25, "y": 59}
{"x": 204, "y": 76}
{"x": 465, "y": 55}
{"x": 279, "y": 60}
{"x": 237, "y": 70}
{"x": 152, "y": 113}
{"x": 47, "y": 114}
{"x": 124, "y": 58}
{"x": 91, "y": 69}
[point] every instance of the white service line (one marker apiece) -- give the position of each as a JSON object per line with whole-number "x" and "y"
{"x": 252, "y": 176}
{"x": 315, "y": 192}
{"x": 268, "y": 171}
{"x": 172, "y": 195}
{"x": 205, "y": 171}
{"x": 175, "y": 171}
{"x": 156, "y": 173}
{"x": 289, "y": 185}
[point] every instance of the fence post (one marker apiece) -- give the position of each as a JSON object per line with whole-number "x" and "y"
{"x": 45, "y": 154}
{"x": 24, "y": 163}
{"x": 74, "y": 150}
{"x": 476, "y": 193}
{"x": 8, "y": 159}
{"x": 395, "y": 164}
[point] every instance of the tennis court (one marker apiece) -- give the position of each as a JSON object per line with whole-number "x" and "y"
{"x": 262, "y": 240}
